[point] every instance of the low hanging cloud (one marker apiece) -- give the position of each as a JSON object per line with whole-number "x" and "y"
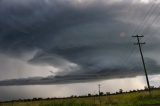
{"x": 85, "y": 40}
{"x": 87, "y": 76}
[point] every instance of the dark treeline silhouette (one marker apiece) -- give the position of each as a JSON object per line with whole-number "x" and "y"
{"x": 85, "y": 96}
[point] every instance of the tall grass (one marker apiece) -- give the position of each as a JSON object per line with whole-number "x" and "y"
{"x": 71, "y": 103}
{"x": 126, "y": 99}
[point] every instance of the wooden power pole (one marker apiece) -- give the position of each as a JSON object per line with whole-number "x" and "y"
{"x": 139, "y": 43}
{"x": 99, "y": 89}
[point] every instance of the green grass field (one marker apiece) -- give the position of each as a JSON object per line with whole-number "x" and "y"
{"x": 125, "y": 99}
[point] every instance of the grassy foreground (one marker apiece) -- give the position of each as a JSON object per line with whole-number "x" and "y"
{"x": 126, "y": 99}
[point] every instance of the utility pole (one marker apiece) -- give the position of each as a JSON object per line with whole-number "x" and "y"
{"x": 139, "y": 43}
{"x": 99, "y": 89}
{"x": 94, "y": 98}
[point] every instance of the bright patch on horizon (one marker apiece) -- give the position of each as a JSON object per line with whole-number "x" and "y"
{"x": 145, "y": 1}
{"x": 149, "y": 1}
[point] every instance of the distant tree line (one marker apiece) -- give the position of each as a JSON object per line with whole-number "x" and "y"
{"x": 84, "y": 96}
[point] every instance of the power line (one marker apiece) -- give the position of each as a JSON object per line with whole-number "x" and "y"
{"x": 148, "y": 16}
{"x": 144, "y": 18}
{"x": 156, "y": 19}
{"x": 152, "y": 21}
{"x": 150, "y": 10}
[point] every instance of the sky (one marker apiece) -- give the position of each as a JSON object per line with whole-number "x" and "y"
{"x": 73, "y": 45}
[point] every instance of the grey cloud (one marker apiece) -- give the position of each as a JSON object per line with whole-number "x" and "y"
{"x": 95, "y": 38}
{"x": 31, "y": 26}
{"x": 87, "y": 76}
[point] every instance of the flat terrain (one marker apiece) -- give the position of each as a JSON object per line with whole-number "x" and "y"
{"x": 141, "y": 98}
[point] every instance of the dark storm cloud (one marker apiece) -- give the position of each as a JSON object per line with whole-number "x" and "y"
{"x": 32, "y": 24}
{"x": 94, "y": 75}
{"x": 95, "y": 36}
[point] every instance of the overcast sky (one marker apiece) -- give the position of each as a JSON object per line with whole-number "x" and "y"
{"x": 76, "y": 44}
